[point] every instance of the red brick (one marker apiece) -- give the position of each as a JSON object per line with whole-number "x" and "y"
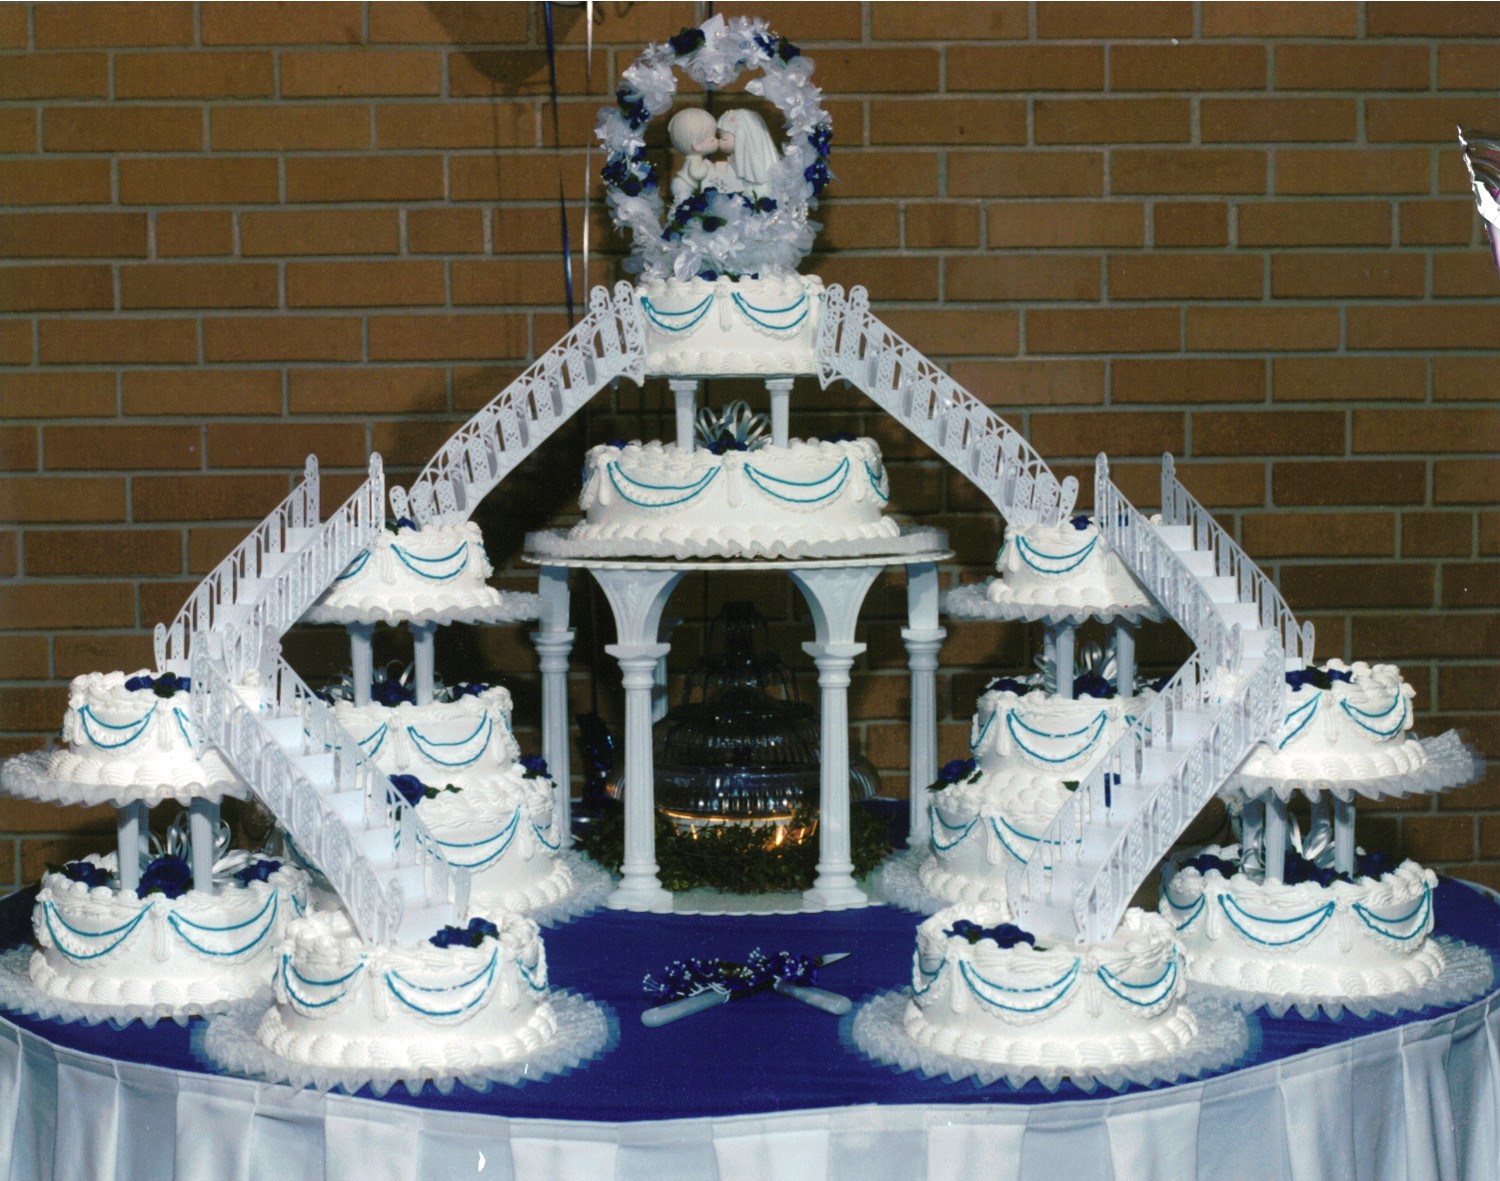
{"x": 1141, "y": 380}
{"x": 18, "y": 130}
{"x": 1113, "y": 21}
{"x": 16, "y": 342}
{"x": 1103, "y": 330}
{"x": 1315, "y": 223}
{"x": 28, "y": 499}
{"x": 1072, "y": 223}
{"x": 72, "y": 342}
{"x": 399, "y": 391}
{"x": 342, "y": 231}
{"x": 1431, "y": 20}
{"x": 215, "y": 181}
{"x": 455, "y": 24}
{"x": 1466, "y": 481}
{"x": 513, "y": 73}
{"x": 1262, "y": 329}
{"x": 364, "y": 284}
{"x": 1357, "y": 171}
{"x": 287, "y": 127}
{"x": 942, "y": 224}
{"x": 1276, "y": 120}
{"x": 76, "y": 26}
{"x": 887, "y": 174}
{"x": 409, "y": 444}
{"x": 1471, "y": 584}
{"x": 55, "y": 75}
{"x": 1423, "y": 327}
{"x": 73, "y": 235}
{"x": 459, "y": 125}
{"x": 282, "y": 338}
{"x": 505, "y": 282}
{"x": 67, "y": 605}
{"x": 1427, "y": 430}
{"x": 281, "y": 24}
{"x": 937, "y": 21}
{"x": 1438, "y": 838}
{"x": 914, "y": 278}
{"x": 194, "y": 75}
{"x": 78, "y": 394}
{"x": 870, "y": 70}
{"x": 1026, "y": 173}
{"x": 1191, "y": 223}
{"x": 1269, "y": 433}
{"x": 362, "y": 72}
{"x": 1315, "y": 535}
{"x": 1111, "y": 120}
{"x": 1086, "y": 434}
{"x": 121, "y": 448}
{"x": 203, "y": 497}
{"x": 32, "y": 707}
{"x": 446, "y": 337}
{"x": 444, "y": 231}
{"x": 18, "y": 448}
{"x": 56, "y": 288}
{"x": 1462, "y": 378}
{"x": 122, "y": 129}
{"x": 13, "y": 30}
{"x": 23, "y": 657}
{"x": 948, "y": 121}
{"x": 954, "y": 333}
{"x": 1460, "y": 275}
{"x": 1022, "y": 277}
{"x": 199, "y": 285}
{"x": 96, "y": 553}
{"x": 1313, "y": 276}
{"x": 1187, "y": 66}
{"x": 1023, "y": 67}
{"x": 1468, "y": 67}
{"x": 1346, "y": 482}
{"x": 1436, "y": 535}
{"x": 194, "y": 233}
{"x": 1359, "y": 379}
{"x": 1271, "y": 18}
{"x": 845, "y": 227}
{"x": 1437, "y": 223}
{"x": 1351, "y": 67}
{"x": 364, "y": 178}
{"x": 1191, "y": 170}
{"x": 54, "y": 182}
{"x": 1426, "y": 120}
{"x": 285, "y": 445}
{"x": 1185, "y": 276}
{"x": 1032, "y": 383}
{"x": 201, "y": 393}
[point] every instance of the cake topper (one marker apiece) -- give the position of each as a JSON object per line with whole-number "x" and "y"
{"x": 746, "y": 214}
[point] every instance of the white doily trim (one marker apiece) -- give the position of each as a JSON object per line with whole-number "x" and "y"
{"x": 878, "y": 1031}
{"x": 585, "y": 1031}
{"x": 513, "y": 607}
{"x": 1450, "y": 762}
{"x": 25, "y": 777}
{"x": 1467, "y": 973}
{"x": 899, "y": 885}
{"x": 591, "y": 887}
{"x": 17, "y": 992}
{"x": 972, "y": 602}
{"x": 555, "y": 543}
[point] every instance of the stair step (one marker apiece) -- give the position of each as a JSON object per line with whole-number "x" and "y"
{"x": 379, "y": 848}
{"x": 1200, "y": 562}
{"x": 319, "y": 770}
{"x": 1220, "y": 588}
{"x": 1048, "y": 920}
{"x": 421, "y": 924}
{"x": 1247, "y": 615}
{"x": 286, "y": 733}
{"x": 1177, "y": 537}
{"x": 349, "y": 807}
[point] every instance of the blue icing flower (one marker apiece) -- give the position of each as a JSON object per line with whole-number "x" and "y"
{"x": 1008, "y": 685}
{"x": 259, "y": 870}
{"x": 1299, "y": 869}
{"x": 1374, "y": 865}
{"x": 169, "y": 875}
{"x": 1006, "y": 935}
{"x": 839, "y": 437}
{"x": 687, "y": 41}
{"x": 411, "y": 789}
{"x": 1080, "y": 523}
{"x": 710, "y": 275}
{"x": 91, "y": 875}
{"x": 720, "y": 446}
{"x": 535, "y": 766}
{"x": 135, "y": 684}
{"x": 1318, "y": 678}
{"x": 166, "y": 685}
{"x": 952, "y": 772}
{"x": 1092, "y": 685}
{"x": 466, "y": 689}
{"x": 1208, "y": 863}
{"x": 392, "y": 692}
{"x": 473, "y": 935}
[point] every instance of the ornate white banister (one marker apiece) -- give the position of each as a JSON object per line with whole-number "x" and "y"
{"x": 608, "y": 343}
{"x": 229, "y": 585}
{"x": 853, "y": 345}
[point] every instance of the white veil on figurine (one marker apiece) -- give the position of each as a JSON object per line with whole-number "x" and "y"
{"x": 754, "y": 150}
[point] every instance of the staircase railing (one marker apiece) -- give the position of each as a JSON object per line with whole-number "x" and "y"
{"x": 855, "y": 346}
{"x": 608, "y": 343}
{"x": 261, "y": 551}
{"x": 1180, "y": 507}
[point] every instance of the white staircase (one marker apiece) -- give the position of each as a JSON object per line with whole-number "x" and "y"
{"x": 857, "y": 347}
{"x": 1130, "y": 810}
{"x": 608, "y": 343}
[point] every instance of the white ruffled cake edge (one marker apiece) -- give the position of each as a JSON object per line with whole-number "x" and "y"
{"x": 1450, "y": 763}
{"x": 556, "y": 543}
{"x": 586, "y": 1030}
{"x": 899, "y": 885}
{"x": 878, "y": 1031}
{"x": 973, "y": 602}
{"x": 26, "y": 777}
{"x": 589, "y": 888}
{"x": 507, "y": 607}
{"x": 1468, "y": 972}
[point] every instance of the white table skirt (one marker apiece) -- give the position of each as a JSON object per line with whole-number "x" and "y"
{"x": 1417, "y": 1102}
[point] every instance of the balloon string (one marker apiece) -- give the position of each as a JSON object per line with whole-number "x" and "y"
{"x": 562, "y": 202}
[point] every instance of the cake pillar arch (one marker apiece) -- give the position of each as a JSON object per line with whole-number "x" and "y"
{"x": 637, "y": 598}
{"x": 923, "y": 637}
{"x": 685, "y": 398}
{"x": 554, "y": 644}
{"x": 834, "y": 594}
{"x": 780, "y": 391}
{"x": 130, "y": 830}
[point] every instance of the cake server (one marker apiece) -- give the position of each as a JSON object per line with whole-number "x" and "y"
{"x": 818, "y": 998}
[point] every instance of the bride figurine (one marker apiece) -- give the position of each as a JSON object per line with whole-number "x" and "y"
{"x": 694, "y": 133}
{"x": 744, "y": 134}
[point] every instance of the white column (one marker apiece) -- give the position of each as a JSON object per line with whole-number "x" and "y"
{"x": 923, "y": 639}
{"x": 1049, "y": 658}
{"x": 1252, "y": 835}
{"x": 780, "y": 389}
{"x": 1343, "y": 835}
{"x": 661, "y": 703}
{"x": 1275, "y": 838}
{"x": 834, "y": 595}
{"x": 130, "y": 831}
{"x": 554, "y": 644}
{"x": 637, "y": 597}
{"x": 362, "y": 660}
{"x": 685, "y": 395}
{"x": 1124, "y": 659}
{"x": 203, "y": 825}
{"x": 422, "y": 648}
{"x": 1062, "y": 648}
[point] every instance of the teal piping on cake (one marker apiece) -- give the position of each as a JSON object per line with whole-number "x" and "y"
{"x": 1146, "y": 996}
{"x": 375, "y": 736}
{"x": 408, "y": 559}
{"x": 1074, "y": 559}
{"x": 929, "y": 978}
{"x": 425, "y": 744}
{"x": 178, "y": 922}
{"x": 504, "y": 836}
{"x": 1054, "y": 991}
{"x": 288, "y": 971}
{"x": 136, "y": 728}
{"x": 354, "y": 567}
{"x": 182, "y": 726}
{"x": 123, "y": 931}
{"x": 1096, "y": 726}
{"x": 1383, "y": 926}
{"x": 676, "y": 321}
{"x": 527, "y": 974}
{"x": 541, "y": 835}
{"x": 485, "y": 978}
{"x": 1314, "y": 920}
{"x": 876, "y": 481}
{"x": 753, "y": 313}
{"x": 687, "y": 491}
{"x": 1195, "y": 907}
{"x": 1357, "y": 715}
{"x": 762, "y": 479}
{"x": 936, "y": 817}
{"x": 976, "y": 743}
{"x": 1311, "y": 707}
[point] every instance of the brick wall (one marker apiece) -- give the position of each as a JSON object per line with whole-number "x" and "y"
{"x": 237, "y": 233}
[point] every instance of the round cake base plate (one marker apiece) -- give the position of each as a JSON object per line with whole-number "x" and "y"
{"x": 556, "y": 543}
{"x": 878, "y": 1031}
{"x": 1450, "y": 762}
{"x": 973, "y": 603}
{"x": 1467, "y": 972}
{"x": 25, "y": 777}
{"x": 511, "y": 607}
{"x": 19, "y": 993}
{"x": 585, "y": 1031}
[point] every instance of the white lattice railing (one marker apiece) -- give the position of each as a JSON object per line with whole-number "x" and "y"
{"x": 213, "y": 604}
{"x": 855, "y": 346}
{"x": 347, "y": 820}
{"x": 1179, "y": 507}
{"x": 608, "y": 343}
{"x": 1239, "y": 692}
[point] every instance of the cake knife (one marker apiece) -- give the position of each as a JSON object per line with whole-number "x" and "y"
{"x": 818, "y": 998}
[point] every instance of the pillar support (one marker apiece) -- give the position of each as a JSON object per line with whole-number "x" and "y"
{"x": 923, "y": 638}
{"x": 422, "y": 646}
{"x": 554, "y": 644}
{"x": 362, "y": 660}
{"x": 685, "y": 397}
{"x": 780, "y": 390}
